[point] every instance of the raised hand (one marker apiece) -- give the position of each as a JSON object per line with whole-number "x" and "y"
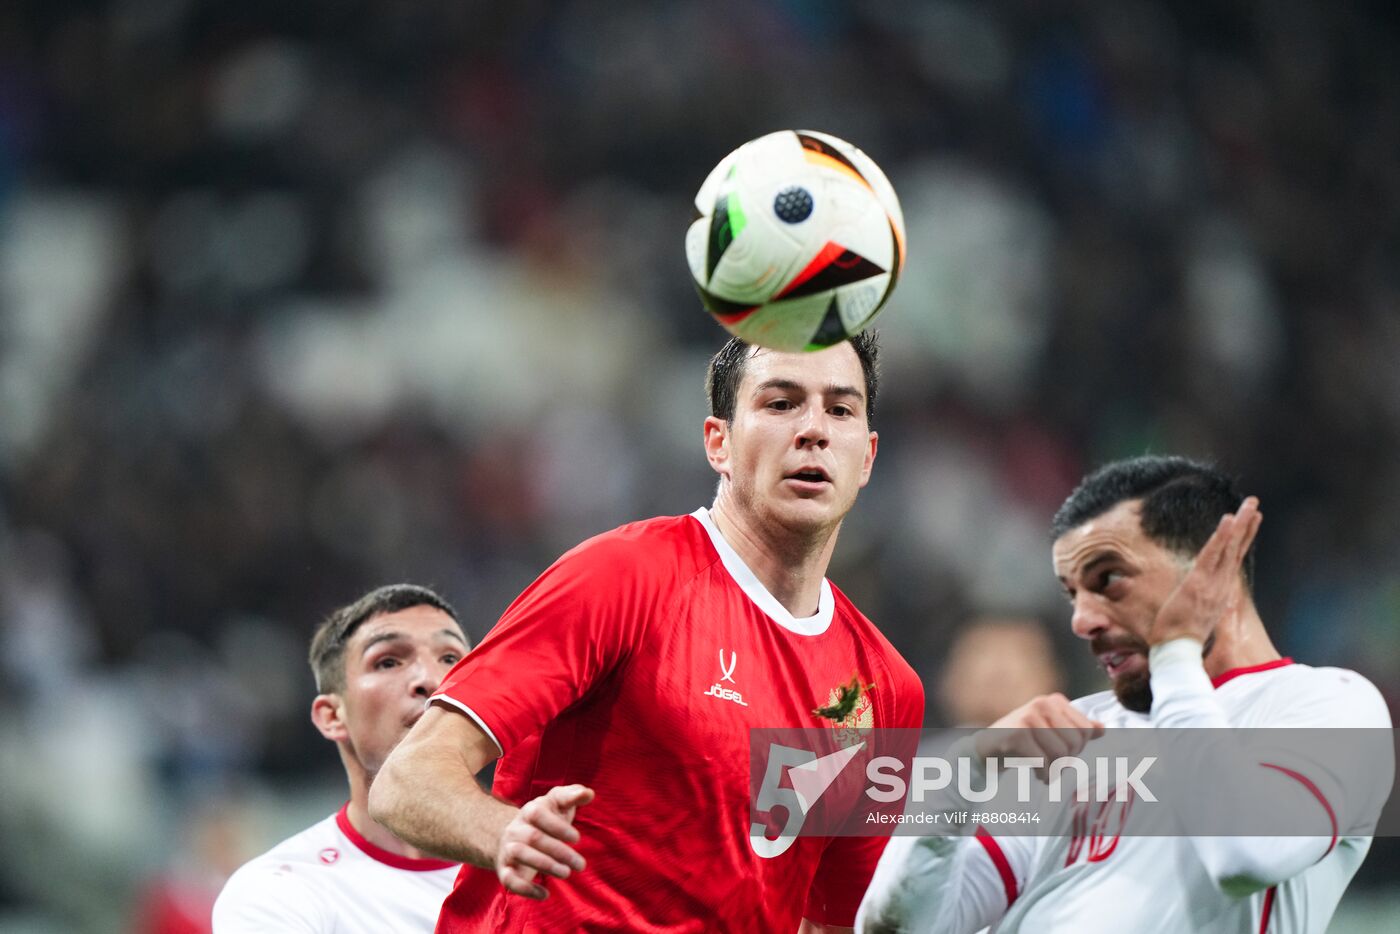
{"x": 1213, "y": 587}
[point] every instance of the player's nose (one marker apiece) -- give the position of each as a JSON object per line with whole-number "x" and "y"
{"x": 1087, "y": 619}
{"x": 813, "y": 431}
{"x": 424, "y": 678}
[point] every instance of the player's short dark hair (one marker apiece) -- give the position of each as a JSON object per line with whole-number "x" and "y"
{"x": 726, "y": 372}
{"x": 327, "y": 655}
{"x": 1182, "y": 501}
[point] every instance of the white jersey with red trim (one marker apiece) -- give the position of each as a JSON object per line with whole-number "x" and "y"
{"x": 329, "y": 879}
{"x": 1211, "y": 885}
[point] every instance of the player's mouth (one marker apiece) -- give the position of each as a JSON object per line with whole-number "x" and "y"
{"x": 1122, "y": 661}
{"x": 809, "y": 479}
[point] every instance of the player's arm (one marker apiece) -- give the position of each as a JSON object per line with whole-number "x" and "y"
{"x": 1235, "y": 782}
{"x": 943, "y": 885}
{"x": 1254, "y": 785}
{"x": 1267, "y": 782}
{"x": 559, "y": 638}
{"x": 960, "y": 884}
{"x": 1183, "y": 701}
{"x": 427, "y": 794}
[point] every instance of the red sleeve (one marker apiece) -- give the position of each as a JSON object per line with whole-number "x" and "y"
{"x": 569, "y": 629}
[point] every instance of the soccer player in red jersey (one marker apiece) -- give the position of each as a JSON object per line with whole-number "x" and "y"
{"x": 620, "y": 688}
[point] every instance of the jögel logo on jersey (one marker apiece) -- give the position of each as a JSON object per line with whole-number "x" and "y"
{"x": 726, "y": 673}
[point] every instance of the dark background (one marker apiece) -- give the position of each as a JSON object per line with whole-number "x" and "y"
{"x": 301, "y": 298}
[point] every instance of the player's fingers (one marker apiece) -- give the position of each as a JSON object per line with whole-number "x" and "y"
{"x": 1088, "y": 729}
{"x": 570, "y": 796}
{"x": 1084, "y": 728}
{"x": 538, "y": 814}
{"x": 1085, "y": 731}
{"x": 1054, "y": 721}
{"x": 1058, "y": 736}
{"x": 1239, "y": 525}
{"x": 533, "y": 838}
{"x": 1213, "y": 554}
{"x": 1071, "y": 716}
{"x": 1254, "y": 520}
{"x": 1241, "y": 536}
{"x": 1043, "y": 739}
{"x": 1073, "y": 738}
{"x": 518, "y": 883}
{"x": 537, "y": 858}
{"x": 1063, "y": 715}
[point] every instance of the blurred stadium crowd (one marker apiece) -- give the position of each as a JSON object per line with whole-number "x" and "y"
{"x": 301, "y": 298}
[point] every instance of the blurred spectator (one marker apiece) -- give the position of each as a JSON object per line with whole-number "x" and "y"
{"x": 994, "y": 665}
{"x": 213, "y": 842}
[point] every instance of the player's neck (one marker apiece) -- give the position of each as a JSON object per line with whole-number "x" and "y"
{"x": 1241, "y": 645}
{"x": 790, "y": 567}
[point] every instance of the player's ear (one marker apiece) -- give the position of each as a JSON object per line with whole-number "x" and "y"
{"x": 871, "y": 448}
{"x": 717, "y": 444}
{"x": 328, "y": 716}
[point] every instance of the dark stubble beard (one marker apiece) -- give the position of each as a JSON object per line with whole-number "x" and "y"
{"x": 1134, "y": 691}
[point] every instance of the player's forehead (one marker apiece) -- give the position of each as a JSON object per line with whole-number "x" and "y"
{"x": 838, "y": 365}
{"x": 1116, "y": 532}
{"x": 416, "y": 624}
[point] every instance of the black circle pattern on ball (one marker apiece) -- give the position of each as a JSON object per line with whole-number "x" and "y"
{"x": 793, "y": 205}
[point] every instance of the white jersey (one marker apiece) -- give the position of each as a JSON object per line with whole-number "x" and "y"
{"x": 1111, "y": 883}
{"x": 329, "y": 879}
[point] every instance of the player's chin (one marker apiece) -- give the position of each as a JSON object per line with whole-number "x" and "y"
{"x": 1134, "y": 690}
{"x": 811, "y": 508}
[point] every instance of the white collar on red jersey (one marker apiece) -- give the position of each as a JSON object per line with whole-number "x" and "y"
{"x": 749, "y": 583}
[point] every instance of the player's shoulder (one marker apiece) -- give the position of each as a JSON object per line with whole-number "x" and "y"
{"x": 280, "y": 880}
{"x": 1338, "y": 697}
{"x": 648, "y": 546}
{"x": 321, "y": 844}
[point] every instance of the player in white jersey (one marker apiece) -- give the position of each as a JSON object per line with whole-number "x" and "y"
{"x": 1155, "y": 555}
{"x": 376, "y": 663}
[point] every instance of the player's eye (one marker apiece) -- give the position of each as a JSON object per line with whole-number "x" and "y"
{"x": 451, "y": 658}
{"x": 1108, "y": 579}
{"x": 388, "y": 661}
{"x": 841, "y": 411}
{"x": 781, "y": 405}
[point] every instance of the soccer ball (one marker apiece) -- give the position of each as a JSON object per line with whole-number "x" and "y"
{"x": 797, "y": 242}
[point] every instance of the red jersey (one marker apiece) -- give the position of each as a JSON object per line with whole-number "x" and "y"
{"x": 636, "y": 665}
